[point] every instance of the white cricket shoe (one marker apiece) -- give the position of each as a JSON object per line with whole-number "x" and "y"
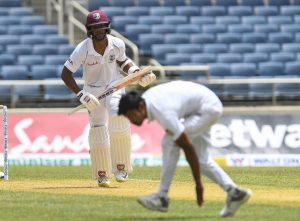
{"x": 154, "y": 202}
{"x": 235, "y": 198}
{"x": 121, "y": 176}
{"x": 103, "y": 180}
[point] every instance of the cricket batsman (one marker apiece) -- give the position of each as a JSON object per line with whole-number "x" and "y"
{"x": 102, "y": 56}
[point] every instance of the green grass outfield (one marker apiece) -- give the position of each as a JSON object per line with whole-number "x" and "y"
{"x": 68, "y": 193}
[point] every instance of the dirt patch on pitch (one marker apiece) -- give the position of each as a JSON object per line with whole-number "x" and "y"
{"x": 179, "y": 190}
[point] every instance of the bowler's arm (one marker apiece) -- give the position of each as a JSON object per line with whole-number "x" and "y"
{"x": 191, "y": 156}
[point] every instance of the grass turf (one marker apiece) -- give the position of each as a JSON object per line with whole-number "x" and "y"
{"x": 67, "y": 193}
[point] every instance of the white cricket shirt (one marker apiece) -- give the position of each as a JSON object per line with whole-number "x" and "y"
{"x": 98, "y": 70}
{"x": 168, "y": 103}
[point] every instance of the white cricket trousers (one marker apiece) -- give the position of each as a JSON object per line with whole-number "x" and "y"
{"x": 197, "y": 129}
{"x": 108, "y": 106}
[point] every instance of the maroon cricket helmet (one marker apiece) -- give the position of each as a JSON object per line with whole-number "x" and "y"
{"x": 96, "y": 17}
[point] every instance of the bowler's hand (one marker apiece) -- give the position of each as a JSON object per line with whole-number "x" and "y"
{"x": 147, "y": 79}
{"x": 89, "y": 100}
{"x": 199, "y": 193}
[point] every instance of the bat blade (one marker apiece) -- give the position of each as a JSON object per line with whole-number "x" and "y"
{"x": 129, "y": 79}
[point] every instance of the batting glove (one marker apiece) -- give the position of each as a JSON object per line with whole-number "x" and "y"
{"x": 89, "y": 100}
{"x": 147, "y": 79}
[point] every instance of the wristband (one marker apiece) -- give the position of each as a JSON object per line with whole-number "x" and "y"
{"x": 133, "y": 69}
{"x": 127, "y": 61}
{"x": 79, "y": 94}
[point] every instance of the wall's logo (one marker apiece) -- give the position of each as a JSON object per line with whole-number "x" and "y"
{"x": 259, "y": 160}
{"x": 96, "y": 16}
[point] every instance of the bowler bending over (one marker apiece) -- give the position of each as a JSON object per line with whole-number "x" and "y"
{"x": 186, "y": 111}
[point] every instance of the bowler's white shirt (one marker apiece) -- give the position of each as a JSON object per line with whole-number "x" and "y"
{"x": 168, "y": 103}
{"x": 98, "y": 70}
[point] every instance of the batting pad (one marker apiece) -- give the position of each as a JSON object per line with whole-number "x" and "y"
{"x": 100, "y": 151}
{"x": 120, "y": 141}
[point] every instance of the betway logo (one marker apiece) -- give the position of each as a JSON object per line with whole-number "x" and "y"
{"x": 58, "y": 144}
{"x": 246, "y": 134}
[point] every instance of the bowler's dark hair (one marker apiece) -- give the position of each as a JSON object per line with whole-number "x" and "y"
{"x": 129, "y": 101}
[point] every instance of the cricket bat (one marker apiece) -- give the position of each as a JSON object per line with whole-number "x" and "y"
{"x": 124, "y": 82}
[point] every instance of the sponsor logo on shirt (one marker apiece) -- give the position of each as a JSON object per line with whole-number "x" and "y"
{"x": 111, "y": 58}
{"x": 94, "y": 63}
{"x": 70, "y": 61}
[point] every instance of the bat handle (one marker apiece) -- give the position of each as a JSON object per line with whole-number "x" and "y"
{"x": 76, "y": 109}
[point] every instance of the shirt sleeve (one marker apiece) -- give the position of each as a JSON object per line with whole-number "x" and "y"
{"x": 172, "y": 125}
{"x": 122, "y": 54}
{"x": 76, "y": 59}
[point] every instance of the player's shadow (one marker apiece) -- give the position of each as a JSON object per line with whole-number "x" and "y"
{"x": 159, "y": 218}
{"x": 72, "y": 187}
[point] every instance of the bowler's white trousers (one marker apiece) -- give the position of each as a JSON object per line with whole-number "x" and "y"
{"x": 197, "y": 128}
